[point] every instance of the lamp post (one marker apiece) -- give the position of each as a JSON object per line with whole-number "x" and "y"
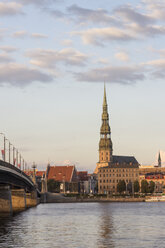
{"x": 13, "y": 155}
{"x": 9, "y": 149}
{"x": 4, "y": 147}
{"x": 20, "y": 161}
{"x": 23, "y": 165}
{"x": 17, "y": 157}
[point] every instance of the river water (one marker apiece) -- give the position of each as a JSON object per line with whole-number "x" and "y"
{"x": 81, "y": 225}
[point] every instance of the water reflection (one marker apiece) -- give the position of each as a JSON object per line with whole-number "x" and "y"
{"x": 106, "y": 228}
{"x": 81, "y": 225}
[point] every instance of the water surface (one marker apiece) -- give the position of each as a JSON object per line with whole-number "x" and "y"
{"x": 81, "y": 225}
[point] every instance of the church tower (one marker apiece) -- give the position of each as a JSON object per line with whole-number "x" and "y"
{"x": 105, "y": 144}
{"x": 159, "y": 161}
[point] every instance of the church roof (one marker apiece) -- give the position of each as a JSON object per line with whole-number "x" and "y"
{"x": 124, "y": 159}
{"x": 61, "y": 173}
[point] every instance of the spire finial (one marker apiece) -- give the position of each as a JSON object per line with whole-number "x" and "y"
{"x": 105, "y": 99}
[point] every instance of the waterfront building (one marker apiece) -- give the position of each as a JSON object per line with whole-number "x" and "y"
{"x": 157, "y": 177}
{"x": 66, "y": 176}
{"x": 83, "y": 182}
{"x": 111, "y": 169}
{"x": 87, "y": 182}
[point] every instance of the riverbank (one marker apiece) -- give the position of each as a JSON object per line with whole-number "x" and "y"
{"x": 59, "y": 198}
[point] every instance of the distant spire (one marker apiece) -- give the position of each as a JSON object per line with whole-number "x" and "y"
{"x": 159, "y": 160}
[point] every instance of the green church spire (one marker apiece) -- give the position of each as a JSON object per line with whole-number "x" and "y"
{"x": 159, "y": 160}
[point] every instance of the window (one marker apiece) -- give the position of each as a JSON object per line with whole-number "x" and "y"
{"x": 100, "y": 181}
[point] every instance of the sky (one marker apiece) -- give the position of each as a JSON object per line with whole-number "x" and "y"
{"x": 55, "y": 56}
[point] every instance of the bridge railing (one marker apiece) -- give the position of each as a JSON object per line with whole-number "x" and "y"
{"x": 5, "y": 164}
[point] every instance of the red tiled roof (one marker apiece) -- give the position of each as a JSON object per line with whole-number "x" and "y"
{"x": 61, "y": 173}
{"x": 38, "y": 173}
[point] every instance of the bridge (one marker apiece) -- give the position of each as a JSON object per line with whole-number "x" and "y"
{"x": 15, "y": 178}
{"x": 17, "y": 190}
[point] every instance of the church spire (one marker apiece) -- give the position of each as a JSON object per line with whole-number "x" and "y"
{"x": 159, "y": 160}
{"x": 105, "y": 144}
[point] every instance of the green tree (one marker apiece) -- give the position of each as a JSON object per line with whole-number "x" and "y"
{"x": 53, "y": 186}
{"x": 151, "y": 187}
{"x": 121, "y": 186}
{"x": 144, "y": 186}
{"x": 136, "y": 186}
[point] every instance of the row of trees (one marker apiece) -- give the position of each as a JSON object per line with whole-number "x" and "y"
{"x": 54, "y": 186}
{"x": 145, "y": 186}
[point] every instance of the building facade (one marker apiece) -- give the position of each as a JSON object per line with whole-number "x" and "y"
{"x": 66, "y": 176}
{"x": 111, "y": 169}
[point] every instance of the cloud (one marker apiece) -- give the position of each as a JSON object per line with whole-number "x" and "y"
{"x": 113, "y": 74}
{"x": 85, "y": 15}
{"x": 38, "y": 36}
{"x": 67, "y": 42}
{"x": 130, "y": 14}
{"x": 126, "y": 23}
{"x": 103, "y": 61}
{"x": 20, "y": 75}
{"x": 10, "y": 9}
{"x": 8, "y": 49}
{"x": 57, "y": 14}
{"x": 123, "y": 56}
{"x": 48, "y": 58}
{"x": 39, "y": 2}
{"x": 97, "y": 36}
{"x": 157, "y": 67}
{"x": 20, "y": 34}
{"x": 155, "y": 8}
{"x": 5, "y": 58}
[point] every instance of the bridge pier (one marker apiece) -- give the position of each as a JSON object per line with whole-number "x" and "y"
{"x": 18, "y": 200}
{"x": 5, "y": 200}
{"x": 31, "y": 199}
